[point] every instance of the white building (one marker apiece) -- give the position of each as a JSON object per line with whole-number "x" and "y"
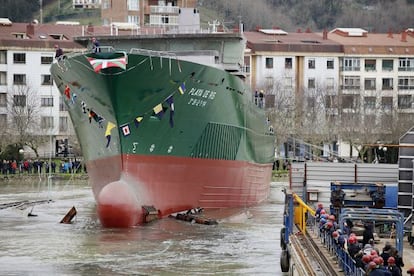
{"x": 350, "y": 70}
{"x": 26, "y": 53}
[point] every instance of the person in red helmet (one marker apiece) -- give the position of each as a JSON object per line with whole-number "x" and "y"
{"x": 393, "y": 268}
{"x": 318, "y": 211}
{"x": 353, "y": 247}
{"x": 365, "y": 261}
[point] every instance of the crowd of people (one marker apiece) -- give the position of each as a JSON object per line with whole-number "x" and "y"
{"x": 29, "y": 166}
{"x": 364, "y": 253}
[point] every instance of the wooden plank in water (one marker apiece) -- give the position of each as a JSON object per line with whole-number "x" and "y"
{"x": 69, "y": 216}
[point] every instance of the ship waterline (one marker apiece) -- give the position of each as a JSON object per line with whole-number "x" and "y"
{"x": 173, "y": 184}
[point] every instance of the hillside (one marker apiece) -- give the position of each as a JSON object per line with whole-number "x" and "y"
{"x": 290, "y": 15}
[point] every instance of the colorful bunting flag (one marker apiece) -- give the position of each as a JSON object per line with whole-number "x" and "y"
{"x": 109, "y": 127}
{"x": 99, "y": 64}
{"x": 92, "y": 114}
{"x": 158, "y": 111}
{"x": 74, "y": 98}
{"x": 125, "y": 130}
{"x": 181, "y": 88}
{"x": 138, "y": 120}
{"x": 67, "y": 92}
{"x": 170, "y": 102}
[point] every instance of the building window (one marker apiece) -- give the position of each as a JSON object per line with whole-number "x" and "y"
{"x": 133, "y": 5}
{"x": 288, "y": 63}
{"x": 311, "y": 63}
{"x": 46, "y": 101}
{"x": 19, "y": 58}
{"x": 3, "y": 78}
{"x": 369, "y": 102}
{"x": 19, "y": 79}
{"x": 311, "y": 102}
{"x": 47, "y": 80}
{"x": 351, "y": 64}
{"x": 387, "y": 84}
{"x": 62, "y": 105}
{"x": 330, "y": 83}
{"x": 3, "y": 57}
{"x": 106, "y": 4}
{"x": 351, "y": 82}
{"x": 349, "y": 101}
{"x": 63, "y": 123}
{"x": 46, "y": 122}
{"x": 3, "y": 99}
{"x": 269, "y": 83}
{"x": 46, "y": 60}
{"x": 406, "y": 64}
{"x": 19, "y": 100}
{"x": 387, "y": 65}
{"x": 370, "y": 65}
{"x": 269, "y": 63}
{"x": 330, "y": 64}
{"x": 370, "y": 84}
{"x": 386, "y": 103}
{"x": 133, "y": 19}
{"x": 406, "y": 83}
{"x": 311, "y": 83}
{"x": 331, "y": 101}
{"x": 404, "y": 101}
{"x": 3, "y": 120}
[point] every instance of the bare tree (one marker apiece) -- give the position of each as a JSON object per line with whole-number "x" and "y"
{"x": 24, "y": 110}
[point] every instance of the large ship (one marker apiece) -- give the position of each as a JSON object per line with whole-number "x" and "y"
{"x": 167, "y": 124}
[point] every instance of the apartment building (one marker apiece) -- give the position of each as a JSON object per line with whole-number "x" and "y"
{"x": 26, "y": 53}
{"x": 355, "y": 72}
{"x": 154, "y": 13}
{"x": 292, "y": 70}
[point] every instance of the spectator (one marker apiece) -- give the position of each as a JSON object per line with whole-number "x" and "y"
{"x": 59, "y": 51}
{"x": 95, "y": 45}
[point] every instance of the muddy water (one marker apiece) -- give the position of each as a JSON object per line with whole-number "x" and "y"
{"x": 40, "y": 245}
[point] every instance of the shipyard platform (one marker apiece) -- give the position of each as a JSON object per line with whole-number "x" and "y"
{"x": 317, "y": 244}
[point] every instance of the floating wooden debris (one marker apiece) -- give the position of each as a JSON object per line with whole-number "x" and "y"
{"x": 150, "y": 213}
{"x": 69, "y": 216}
{"x": 194, "y": 215}
{"x": 23, "y": 204}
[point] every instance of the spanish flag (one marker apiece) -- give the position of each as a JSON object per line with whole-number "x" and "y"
{"x": 109, "y": 127}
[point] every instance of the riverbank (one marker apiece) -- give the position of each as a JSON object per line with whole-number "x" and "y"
{"x": 25, "y": 177}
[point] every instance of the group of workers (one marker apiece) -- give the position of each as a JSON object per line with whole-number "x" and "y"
{"x": 364, "y": 253}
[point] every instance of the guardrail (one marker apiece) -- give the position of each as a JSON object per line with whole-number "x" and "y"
{"x": 344, "y": 260}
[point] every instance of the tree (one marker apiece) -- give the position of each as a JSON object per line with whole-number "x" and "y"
{"x": 24, "y": 111}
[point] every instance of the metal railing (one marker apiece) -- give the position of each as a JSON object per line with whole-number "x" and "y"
{"x": 346, "y": 263}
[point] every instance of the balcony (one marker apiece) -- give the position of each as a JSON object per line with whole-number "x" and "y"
{"x": 351, "y": 68}
{"x": 406, "y": 69}
{"x": 86, "y": 4}
{"x": 164, "y": 10}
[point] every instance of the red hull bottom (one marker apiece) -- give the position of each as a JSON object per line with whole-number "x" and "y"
{"x": 172, "y": 184}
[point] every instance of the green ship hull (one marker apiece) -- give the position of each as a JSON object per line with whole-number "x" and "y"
{"x": 162, "y": 132}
